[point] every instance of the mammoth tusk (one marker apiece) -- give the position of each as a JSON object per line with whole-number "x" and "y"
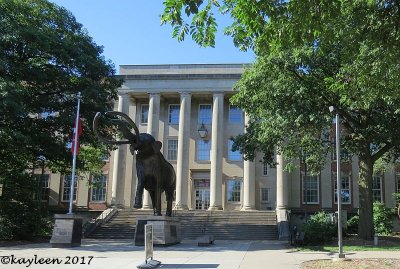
{"x": 101, "y": 138}
{"x": 129, "y": 120}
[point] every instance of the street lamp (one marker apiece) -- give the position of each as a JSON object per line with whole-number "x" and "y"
{"x": 334, "y": 110}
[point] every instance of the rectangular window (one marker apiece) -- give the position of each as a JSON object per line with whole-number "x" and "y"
{"x": 233, "y": 155}
{"x": 235, "y": 114}
{"x": 67, "y": 188}
{"x": 265, "y": 169}
{"x": 99, "y": 188}
{"x": 233, "y": 190}
{"x": 172, "y": 145}
{"x": 346, "y": 191}
{"x": 173, "y": 114}
{"x": 264, "y": 195}
{"x": 310, "y": 190}
{"x": 144, "y": 114}
{"x": 44, "y": 186}
{"x": 377, "y": 188}
{"x": 205, "y": 115}
{"x": 203, "y": 150}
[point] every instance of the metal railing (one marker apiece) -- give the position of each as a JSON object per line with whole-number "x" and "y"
{"x": 91, "y": 225}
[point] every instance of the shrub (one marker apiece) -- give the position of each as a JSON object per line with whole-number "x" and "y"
{"x": 382, "y": 219}
{"x": 319, "y": 229}
{"x": 352, "y": 225}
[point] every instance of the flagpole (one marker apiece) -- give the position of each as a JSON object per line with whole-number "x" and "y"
{"x": 71, "y": 196}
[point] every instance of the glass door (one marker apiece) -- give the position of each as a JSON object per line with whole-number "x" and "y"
{"x": 202, "y": 199}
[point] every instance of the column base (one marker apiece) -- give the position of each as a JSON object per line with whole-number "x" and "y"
{"x": 248, "y": 208}
{"x": 282, "y": 217}
{"x": 181, "y": 207}
{"x": 215, "y": 208}
{"x": 147, "y": 207}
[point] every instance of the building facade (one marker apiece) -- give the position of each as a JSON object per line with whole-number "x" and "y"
{"x": 187, "y": 108}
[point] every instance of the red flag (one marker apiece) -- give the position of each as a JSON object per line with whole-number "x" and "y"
{"x": 77, "y": 140}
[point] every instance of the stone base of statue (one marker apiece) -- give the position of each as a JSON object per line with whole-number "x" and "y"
{"x": 67, "y": 231}
{"x": 166, "y": 230}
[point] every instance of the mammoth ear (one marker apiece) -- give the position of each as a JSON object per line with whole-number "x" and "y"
{"x": 156, "y": 146}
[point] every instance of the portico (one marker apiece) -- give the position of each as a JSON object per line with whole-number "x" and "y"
{"x": 172, "y": 104}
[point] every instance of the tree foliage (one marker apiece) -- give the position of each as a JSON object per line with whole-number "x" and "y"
{"x": 46, "y": 58}
{"x": 312, "y": 55}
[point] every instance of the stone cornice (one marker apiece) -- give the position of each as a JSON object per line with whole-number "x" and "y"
{"x": 178, "y": 76}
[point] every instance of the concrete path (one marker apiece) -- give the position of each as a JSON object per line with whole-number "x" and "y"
{"x": 122, "y": 254}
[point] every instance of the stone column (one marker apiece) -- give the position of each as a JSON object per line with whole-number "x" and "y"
{"x": 182, "y": 173}
{"x": 153, "y": 129}
{"x": 130, "y": 165}
{"x": 249, "y": 181}
{"x": 216, "y": 152}
{"x": 282, "y": 198}
{"x": 122, "y": 99}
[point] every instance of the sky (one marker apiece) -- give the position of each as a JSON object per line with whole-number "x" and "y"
{"x": 131, "y": 33}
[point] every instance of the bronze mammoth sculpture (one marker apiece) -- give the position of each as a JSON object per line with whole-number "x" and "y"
{"x": 154, "y": 173}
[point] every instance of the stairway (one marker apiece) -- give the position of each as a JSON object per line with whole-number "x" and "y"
{"x": 232, "y": 225}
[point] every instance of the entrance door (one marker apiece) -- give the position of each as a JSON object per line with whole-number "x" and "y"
{"x": 202, "y": 199}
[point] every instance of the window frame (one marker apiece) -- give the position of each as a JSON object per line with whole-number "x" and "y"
{"x": 200, "y": 120}
{"x": 103, "y": 188}
{"x": 236, "y": 193}
{"x": 342, "y": 176}
{"x": 169, "y": 150}
{"x": 170, "y": 118}
{"x": 230, "y": 115}
{"x": 142, "y": 119}
{"x": 233, "y": 156}
{"x": 208, "y": 142}
{"x": 317, "y": 189}
{"x": 265, "y": 170}
{"x": 69, "y": 188}
{"x": 374, "y": 177}
{"x": 261, "y": 195}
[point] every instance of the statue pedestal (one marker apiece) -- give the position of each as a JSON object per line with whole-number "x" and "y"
{"x": 166, "y": 230}
{"x": 67, "y": 231}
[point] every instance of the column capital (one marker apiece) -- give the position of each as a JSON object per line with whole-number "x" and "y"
{"x": 123, "y": 94}
{"x": 218, "y": 94}
{"x": 154, "y": 93}
{"x": 185, "y": 94}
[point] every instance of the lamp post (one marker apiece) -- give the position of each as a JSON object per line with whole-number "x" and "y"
{"x": 334, "y": 110}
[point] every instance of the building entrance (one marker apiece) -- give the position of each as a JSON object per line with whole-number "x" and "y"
{"x": 202, "y": 199}
{"x": 202, "y": 194}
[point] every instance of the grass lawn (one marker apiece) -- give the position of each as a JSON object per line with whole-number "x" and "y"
{"x": 353, "y": 243}
{"x": 347, "y": 248}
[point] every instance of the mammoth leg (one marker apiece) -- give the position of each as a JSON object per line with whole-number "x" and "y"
{"x": 170, "y": 196}
{"x": 140, "y": 187}
{"x": 158, "y": 201}
{"x": 153, "y": 197}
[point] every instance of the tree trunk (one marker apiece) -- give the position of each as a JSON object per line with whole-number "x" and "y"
{"x": 366, "y": 222}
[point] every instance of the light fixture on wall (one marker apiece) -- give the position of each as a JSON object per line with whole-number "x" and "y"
{"x": 202, "y": 131}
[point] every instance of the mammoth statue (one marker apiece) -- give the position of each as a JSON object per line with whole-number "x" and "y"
{"x": 154, "y": 173}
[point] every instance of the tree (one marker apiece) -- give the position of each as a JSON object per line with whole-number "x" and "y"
{"x": 311, "y": 55}
{"x": 46, "y": 58}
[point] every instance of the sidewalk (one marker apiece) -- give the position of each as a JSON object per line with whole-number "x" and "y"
{"x": 122, "y": 254}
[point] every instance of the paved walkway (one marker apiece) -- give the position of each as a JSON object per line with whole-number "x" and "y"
{"x": 122, "y": 254}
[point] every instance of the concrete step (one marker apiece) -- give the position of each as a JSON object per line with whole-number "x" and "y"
{"x": 252, "y": 225}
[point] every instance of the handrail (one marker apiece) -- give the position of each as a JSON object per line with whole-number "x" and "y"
{"x": 91, "y": 225}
